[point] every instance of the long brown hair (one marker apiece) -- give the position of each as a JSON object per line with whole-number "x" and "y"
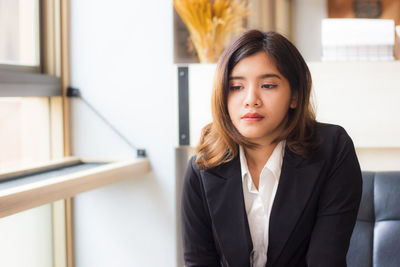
{"x": 220, "y": 139}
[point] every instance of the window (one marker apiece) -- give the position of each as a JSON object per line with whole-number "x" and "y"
{"x": 31, "y": 128}
{"x": 25, "y": 131}
{"x": 33, "y": 116}
{"x": 19, "y": 32}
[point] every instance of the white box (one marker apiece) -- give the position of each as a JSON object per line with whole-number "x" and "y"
{"x": 357, "y": 39}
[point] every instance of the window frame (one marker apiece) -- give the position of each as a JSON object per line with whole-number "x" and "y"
{"x": 23, "y": 82}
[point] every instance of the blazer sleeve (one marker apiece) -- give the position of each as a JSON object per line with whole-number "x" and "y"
{"x": 337, "y": 208}
{"x": 198, "y": 241}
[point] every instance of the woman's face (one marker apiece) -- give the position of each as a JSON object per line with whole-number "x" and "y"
{"x": 259, "y": 98}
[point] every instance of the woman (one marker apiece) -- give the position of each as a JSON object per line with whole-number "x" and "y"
{"x": 269, "y": 186}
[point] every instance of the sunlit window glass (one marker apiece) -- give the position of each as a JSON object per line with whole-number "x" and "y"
{"x": 19, "y": 32}
{"x": 25, "y": 132}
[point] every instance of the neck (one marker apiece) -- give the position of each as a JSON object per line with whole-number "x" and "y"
{"x": 258, "y": 157}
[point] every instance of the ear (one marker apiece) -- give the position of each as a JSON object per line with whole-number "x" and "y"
{"x": 293, "y": 100}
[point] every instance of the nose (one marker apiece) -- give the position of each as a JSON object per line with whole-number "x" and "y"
{"x": 252, "y": 97}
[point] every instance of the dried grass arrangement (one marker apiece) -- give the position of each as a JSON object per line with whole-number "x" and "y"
{"x": 212, "y": 24}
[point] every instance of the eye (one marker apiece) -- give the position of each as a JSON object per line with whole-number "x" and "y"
{"x": 235, "y": 87}
{"x": 269, "y": 86}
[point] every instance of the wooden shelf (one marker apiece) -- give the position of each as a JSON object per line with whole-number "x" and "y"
{"x": 25, "y": 189}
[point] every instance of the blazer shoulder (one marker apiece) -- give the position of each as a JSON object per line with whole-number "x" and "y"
{"x": 335, "y": 141}
{"x": 192, "y": 167}
{"x": 328, "y": 129}
{"x": 332, "y": 134}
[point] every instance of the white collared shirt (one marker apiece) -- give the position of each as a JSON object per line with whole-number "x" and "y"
{"x": 259, "y": 202}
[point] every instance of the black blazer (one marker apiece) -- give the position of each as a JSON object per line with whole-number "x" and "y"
{"x": 312, "y": 217}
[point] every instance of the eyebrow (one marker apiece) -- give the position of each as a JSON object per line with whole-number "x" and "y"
{"x": 262, "y": 76}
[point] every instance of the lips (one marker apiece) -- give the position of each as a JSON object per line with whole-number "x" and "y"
{"x": 252, "y": 117}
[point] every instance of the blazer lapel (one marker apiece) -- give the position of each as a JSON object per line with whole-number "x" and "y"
{"x": 298, "y": 177}
{"x": 224, "y": 194}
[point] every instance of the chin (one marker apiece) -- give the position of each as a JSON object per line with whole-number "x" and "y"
{"x": 253, "y": 136}
{"x": 258, "y": 136}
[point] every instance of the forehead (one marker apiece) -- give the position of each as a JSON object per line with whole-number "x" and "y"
{"x": 254, "y": 65}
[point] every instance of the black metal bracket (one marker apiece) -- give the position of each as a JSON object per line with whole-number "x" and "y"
{"x": 183, "y": 95}
{"x": 75, "y": 92}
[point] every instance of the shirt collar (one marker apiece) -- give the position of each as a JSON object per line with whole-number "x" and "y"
{"x": 274, "y": 163}
{"x": 245, "y": 171}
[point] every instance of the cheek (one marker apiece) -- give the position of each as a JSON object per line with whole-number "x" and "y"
{"x": 233, "y": 111}
{"x": 279, "y": 105}
{"x": 231, "y": 105}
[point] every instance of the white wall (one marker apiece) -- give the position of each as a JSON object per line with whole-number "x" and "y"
{"x": 350, "y": 94}
{"x": 306, "y": 25}
{"x": 121, "y": 56}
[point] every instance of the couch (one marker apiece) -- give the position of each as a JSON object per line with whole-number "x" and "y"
{"x": 376, "y": 237}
